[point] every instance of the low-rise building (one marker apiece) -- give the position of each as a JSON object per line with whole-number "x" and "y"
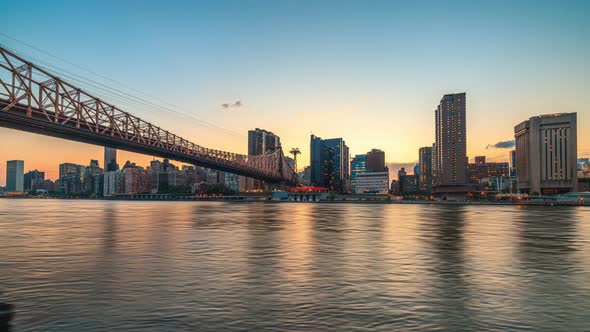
{"x": 376, "y": 183}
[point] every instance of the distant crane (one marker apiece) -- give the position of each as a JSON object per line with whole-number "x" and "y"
{"x": 295, "y": 152}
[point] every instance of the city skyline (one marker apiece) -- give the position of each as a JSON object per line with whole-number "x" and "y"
{"x": 388, "y": 104}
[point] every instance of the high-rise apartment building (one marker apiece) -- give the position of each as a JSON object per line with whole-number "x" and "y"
{"x": 546, "y": 153}
{"x": 114, "y": 183}
{"x": 15, "y": 175}
{"x": 376, "y": 161}
{"x": 32, "y": 179}
{"x": 450, "y": 155}
{"x": 401, "y": 178}
{"x": 261, "y": 142}
{"x": 330, "y": 163}
{"x": 71, "y": 177}
{"x": 425, "y": 175}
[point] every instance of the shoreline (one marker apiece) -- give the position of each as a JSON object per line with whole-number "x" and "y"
{"x": 258, "y": 199}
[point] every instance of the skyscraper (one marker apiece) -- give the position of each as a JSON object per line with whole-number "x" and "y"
{"x": 32, "y": 179}
{"x": 512, "y": 159}
{"x": 15, "y": 175}
{"x": 357, "y": 166}
{"x": 425, "y": 161}
{"x": 261, "y": 141}
{"x": 376, "y": 161}
{"x": 546, "y": 153}
{"x": 71, "y": 177}
{"x": 451, "y": 141}
{"x": 110, "y": 159}
{"x": 401, "y": 178}
{"x": 330, "y": 163}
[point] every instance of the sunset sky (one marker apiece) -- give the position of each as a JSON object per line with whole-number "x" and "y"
{"x": 371, "y": 72}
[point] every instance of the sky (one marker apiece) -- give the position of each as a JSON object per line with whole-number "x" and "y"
{"x": 371, "y": 72}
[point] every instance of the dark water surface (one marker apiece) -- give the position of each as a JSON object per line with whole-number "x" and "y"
{"x": 208, "y": 266}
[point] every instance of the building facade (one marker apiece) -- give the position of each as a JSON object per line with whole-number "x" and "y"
{"x": 15, "y": 170}
{"x": 261, "y": 142}
{"x": 114, "y": 183}
{"x": 110, "y": 159}
{"x": 32, "y": 180}
{"x": 450, "y": 153}
{"x": 512, "y": 159}
{"x": 482, "y": 170}
{"x": 375, "y": 183}
{"x": 546, "y": 154}
{"x": 71, "y": 177}
{"x": 375, "y": 161}
{"x": 425, "y": 175}
{"x": 330, "y": 163}
{"x": 401, "y": 179}
{"x": 357, "y": 166}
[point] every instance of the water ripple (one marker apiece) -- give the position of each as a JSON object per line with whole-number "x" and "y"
{"x": 210, "y": 266}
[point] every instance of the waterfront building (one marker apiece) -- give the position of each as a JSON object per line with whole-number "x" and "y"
{"x": 425, "y": 174}
{"x": 114, "y": 183}
{"x": 15, "y": 176}
{"x": 410, "y": 185}
{"x": 137, "y": 180}
{"x": 450, "y": 155}
{"x": 375, "y": 161}
{"x": 357, "y": 166}
{"x": 546, "y": 154}
{"x": 32, "y": 179}
{"x": 376, "y": 183}
{"x": 330, "y": 163}
{"x": 481, "y": 169}
{"x": 71, "y": 177}
{"x": 261, "y": 142}
{"x": 91, "y": 173}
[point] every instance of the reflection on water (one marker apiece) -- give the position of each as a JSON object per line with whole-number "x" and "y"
{"x": 188, "y": 266}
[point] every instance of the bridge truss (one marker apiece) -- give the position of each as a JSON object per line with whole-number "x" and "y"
{"x": 34, "y": 100}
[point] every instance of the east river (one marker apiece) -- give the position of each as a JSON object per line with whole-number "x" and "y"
{"x": 75, "y": 265}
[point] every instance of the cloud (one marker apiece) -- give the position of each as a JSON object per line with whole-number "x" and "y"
{"x": 501, "y": 145}
{"x": 395, "y": 167}
{"x": 237, "y": 104}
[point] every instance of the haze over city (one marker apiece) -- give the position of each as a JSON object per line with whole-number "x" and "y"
{"x": 372, "y": 76}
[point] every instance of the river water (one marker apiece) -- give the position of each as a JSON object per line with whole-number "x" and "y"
{"x": 74, "y": 265}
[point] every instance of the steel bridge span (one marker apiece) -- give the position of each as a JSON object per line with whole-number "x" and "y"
{"x": 36, "y": 101}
